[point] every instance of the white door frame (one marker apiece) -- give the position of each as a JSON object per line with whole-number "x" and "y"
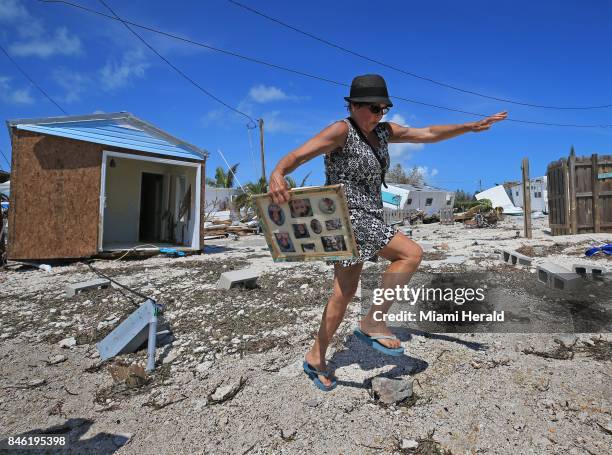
{"x": 106, "y": 154}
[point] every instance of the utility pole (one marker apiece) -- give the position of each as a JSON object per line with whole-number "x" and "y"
{"x": 480, "y": 185}
{"x": 261, "y": 142}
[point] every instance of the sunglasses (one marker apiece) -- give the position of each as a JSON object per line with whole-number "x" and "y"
{"x": 376, "y": 109}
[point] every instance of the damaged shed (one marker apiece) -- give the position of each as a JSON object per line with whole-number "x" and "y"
{"x": 85, "y": 185}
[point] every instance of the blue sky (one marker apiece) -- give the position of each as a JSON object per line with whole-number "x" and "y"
{"x": 544, "y": 52}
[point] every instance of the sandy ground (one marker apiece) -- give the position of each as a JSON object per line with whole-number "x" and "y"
{"x": 505, "y": 393}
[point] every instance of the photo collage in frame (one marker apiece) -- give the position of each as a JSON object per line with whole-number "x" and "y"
{"x": 313, "y": 225}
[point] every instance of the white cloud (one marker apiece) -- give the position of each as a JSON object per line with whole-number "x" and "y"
{"x": 73, "y": 83}
{"x": 62, "y": 43}
{"x": 115, "y": 75}
{"x": 426, "y": 172}
{"x": 30, "y": 28}
{"x": 265, "y": 94}
{"x": 401, "y": 151}
{"x": 273, "y": 123}
{"x": 396, "y": 118}
{"x": 22, "y": 96}
{"x": 11, "y": 10}
{"x": 10, "y": 95}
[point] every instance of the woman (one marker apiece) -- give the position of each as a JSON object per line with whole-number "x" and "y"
{"x": 356, "y": 155}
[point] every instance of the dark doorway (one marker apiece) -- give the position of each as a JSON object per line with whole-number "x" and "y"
{"x": 150, "y": 207}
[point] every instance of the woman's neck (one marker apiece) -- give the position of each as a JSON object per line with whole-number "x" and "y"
{"x": 362, "y": 126}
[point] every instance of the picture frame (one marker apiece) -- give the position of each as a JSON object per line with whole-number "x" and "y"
{"x": 313, "y": 225}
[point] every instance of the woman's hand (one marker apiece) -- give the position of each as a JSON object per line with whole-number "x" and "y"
{"x": 278, "y": 188}
{"x": 485, "y": 124}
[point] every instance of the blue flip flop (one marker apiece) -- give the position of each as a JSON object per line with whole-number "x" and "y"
{"x": 372, "y": 341}
{"x": 313, "y": 374}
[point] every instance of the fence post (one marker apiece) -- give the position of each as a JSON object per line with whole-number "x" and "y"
{"x": 572, "y": 194}
{"x": 595, "y": 193}
{"x": 526, "y": 198}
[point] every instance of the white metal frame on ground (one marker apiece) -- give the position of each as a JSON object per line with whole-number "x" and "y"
{"x": 195, "y": 239}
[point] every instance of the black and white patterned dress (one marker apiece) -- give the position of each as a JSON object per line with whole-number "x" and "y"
{"x": 356, "y": 166}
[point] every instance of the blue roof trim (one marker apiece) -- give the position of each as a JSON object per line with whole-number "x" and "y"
{"x": 120, "y": 132}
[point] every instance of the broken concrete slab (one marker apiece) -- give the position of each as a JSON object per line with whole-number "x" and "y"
{"x": 557, "y": 277}
{"x": 236, "y": 278}
{"x": 74, "y": 288}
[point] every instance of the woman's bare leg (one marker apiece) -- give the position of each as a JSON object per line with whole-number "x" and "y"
{"x": 405, "y": 256}
{"x": 346, "y": 280}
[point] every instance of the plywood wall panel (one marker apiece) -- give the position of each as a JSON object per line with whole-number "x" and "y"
{"x": 55, "y": 191}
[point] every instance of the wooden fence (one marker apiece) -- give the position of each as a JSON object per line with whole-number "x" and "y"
{"x": 447, "y": 216}
{"x": 394, "y": 215}
{"x": 580, "y": 195}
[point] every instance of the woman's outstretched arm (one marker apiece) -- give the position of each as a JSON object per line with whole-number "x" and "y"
{"x": 439, "y": 133}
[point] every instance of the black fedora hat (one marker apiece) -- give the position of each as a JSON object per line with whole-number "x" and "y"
{"x": 369, "y": 88}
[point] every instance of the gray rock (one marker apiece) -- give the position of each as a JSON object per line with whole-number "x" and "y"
{"x": 313, "y": 402}
{"x": 55, "y": 359}
{"x": 408, "y": 444}
{"x": 200, "y": 403}
{"x": 68, "y": 343}
{"x": 566, "y": 340}
{"x": 224, "y": 392}
{"x": 36, "y": 383}
{"x": 288, "y": 433}
{"x": 171, "y": 357}
{"x": 204, "y": 366}
{"x": 391, "y": 391}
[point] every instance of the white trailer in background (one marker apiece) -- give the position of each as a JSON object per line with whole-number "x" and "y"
{"x": 539, "y": 194}
{"x": 412, "y": 197}
{"x": 499, "y": 198}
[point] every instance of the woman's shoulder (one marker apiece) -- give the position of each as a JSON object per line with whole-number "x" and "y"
{"x": 338, "y": 130}
{"x": 341, "y": 126}
{"x": 385, "y": 129}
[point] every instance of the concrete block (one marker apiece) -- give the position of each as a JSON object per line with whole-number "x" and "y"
{"x": 236, "y": 278}
{"x": 557, "y": 277}
{"x": 594, "y": 272}
{"x": 513, "y": 258}
{"x": 426, "y": 246}
{"x": 130, "y": 334}
{"x": 74, "y": 288}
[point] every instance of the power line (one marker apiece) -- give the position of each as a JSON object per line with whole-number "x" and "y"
{"x": 206, "y": 92}
{"x": 312, "y": 76}
{"x": 32, "y": 80}
{"x": 408, "y": 73}
{"x": 5, "y": 159}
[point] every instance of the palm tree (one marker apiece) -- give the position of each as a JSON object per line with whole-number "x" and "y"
{"x": 245, "y": 199}
{"x": 292, "y": 183}
{"x": 223, "y": 179}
